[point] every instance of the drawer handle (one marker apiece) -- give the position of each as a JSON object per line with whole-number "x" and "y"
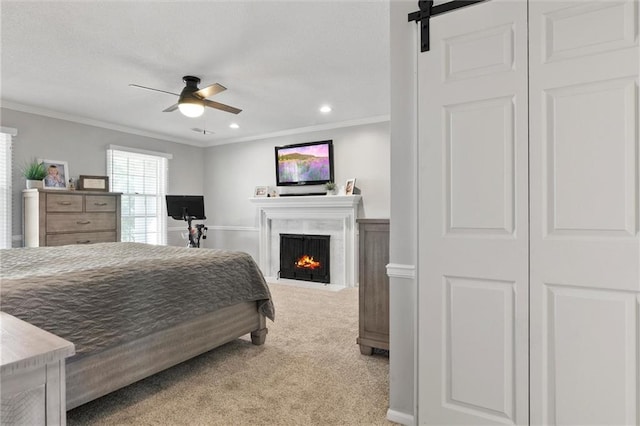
{"x": 84, "y": 242}
{"x": 100, "y": 204}
{"x": 83, "y": 222}
{"x": 64, "y": 203}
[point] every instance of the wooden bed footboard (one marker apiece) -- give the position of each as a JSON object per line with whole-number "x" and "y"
{"x": 96, "y": 375}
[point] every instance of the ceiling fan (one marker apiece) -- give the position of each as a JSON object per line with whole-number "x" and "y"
{"x": 192, "y": 100}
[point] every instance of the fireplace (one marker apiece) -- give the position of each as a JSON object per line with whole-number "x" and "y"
{"x": 305, "y": 257}
{"x": 311, "y": 215}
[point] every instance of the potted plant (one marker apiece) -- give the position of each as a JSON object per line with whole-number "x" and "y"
{"x": 34, "y": 172}
{"x": 331, "y": 188}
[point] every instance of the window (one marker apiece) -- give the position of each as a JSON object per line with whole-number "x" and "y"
{"x": 141, "y": 176}
{"x": 6, "y": 163}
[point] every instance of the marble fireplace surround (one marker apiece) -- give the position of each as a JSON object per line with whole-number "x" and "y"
{"x": 323, "y": 215}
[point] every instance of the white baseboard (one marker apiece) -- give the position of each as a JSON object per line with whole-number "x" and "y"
{"x": 398, "y": 417}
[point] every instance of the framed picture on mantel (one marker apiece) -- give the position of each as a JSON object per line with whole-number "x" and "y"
{"x": 349, "y": 186}
{"x": 261, "y": 191}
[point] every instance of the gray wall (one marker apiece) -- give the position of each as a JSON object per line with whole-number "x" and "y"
{"x": 233, "y": 171}
{"x": 84, "y": 148}
{"x": 227, "y": 175}
{"x": 403, "y": 239}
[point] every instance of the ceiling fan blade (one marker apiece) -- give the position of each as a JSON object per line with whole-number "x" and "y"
{"x": 210, "y": 90}
{"x": 155, "y": 90}
{"x": 171, "y": 108}
{"x": 222, "y": 107}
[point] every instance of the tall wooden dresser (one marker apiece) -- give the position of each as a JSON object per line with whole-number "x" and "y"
{"x": 373, "y": 285}
{"x": 55, "y": 218}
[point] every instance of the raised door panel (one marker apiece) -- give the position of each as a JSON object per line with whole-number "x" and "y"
{"x": 375, "y": 283}
{"x": 591, "y": 363}
{"x": 479, "y": 324}
{"x": 585, "y": 247}
{"x": 590, "y": 154}
{"x": 480, "y": 175}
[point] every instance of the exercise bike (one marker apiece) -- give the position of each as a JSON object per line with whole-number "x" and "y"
{"x": 197, "y": 232}
{"x": 189, "y": 208}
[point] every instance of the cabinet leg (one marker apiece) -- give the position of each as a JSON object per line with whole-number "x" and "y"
{"x": 366, "y": 350}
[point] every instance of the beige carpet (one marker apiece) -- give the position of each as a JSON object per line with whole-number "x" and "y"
{"x": 309, "y": 372}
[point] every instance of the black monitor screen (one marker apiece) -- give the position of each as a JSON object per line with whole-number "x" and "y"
{"x": 182, "y": 207}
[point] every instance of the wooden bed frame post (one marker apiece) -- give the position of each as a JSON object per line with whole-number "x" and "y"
{"x": 259, "y": 336}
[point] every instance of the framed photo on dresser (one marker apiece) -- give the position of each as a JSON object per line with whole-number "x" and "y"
{"x": 93, "y": 183}
{"x": 57, "y": 174}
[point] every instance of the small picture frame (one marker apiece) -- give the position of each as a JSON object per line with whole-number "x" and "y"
{"x": 57, "y": 174}
{"x": 261, "y": 191}
{"x": 93, "y": 183}
{"x": 349, "y": 186}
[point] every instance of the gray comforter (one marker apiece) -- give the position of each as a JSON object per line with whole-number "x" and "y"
{"x": 101, "y": 295}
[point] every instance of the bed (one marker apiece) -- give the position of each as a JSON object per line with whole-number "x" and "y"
{"x": 133, "y": 309}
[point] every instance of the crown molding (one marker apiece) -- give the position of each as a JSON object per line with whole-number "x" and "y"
{"x": 91, "y": 122}
{"x": 111, "y": 126}
{"x": 308, "y": 129}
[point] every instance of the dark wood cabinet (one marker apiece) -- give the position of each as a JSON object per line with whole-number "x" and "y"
{"x": 373, "y": 285}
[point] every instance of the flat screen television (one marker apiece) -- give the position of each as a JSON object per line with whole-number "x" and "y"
{"x": 309, "y": 163}
{"x": 181, "y": 207}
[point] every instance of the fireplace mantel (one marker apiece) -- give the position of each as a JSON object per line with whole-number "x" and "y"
{"x": 342, "y": 209}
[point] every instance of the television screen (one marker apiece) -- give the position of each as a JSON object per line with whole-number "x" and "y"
{"x": 180, "y": 207}
{"x": 308, "y": 163}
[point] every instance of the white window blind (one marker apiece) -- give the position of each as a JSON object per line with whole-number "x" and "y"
{"x": 6, "y": 163}
{"x": 142, "y": 179}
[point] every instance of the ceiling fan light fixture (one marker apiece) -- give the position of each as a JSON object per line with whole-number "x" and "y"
{"x": 190, "y": 106}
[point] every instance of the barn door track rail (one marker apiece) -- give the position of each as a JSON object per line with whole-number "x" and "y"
{"x": 427, "y": 10}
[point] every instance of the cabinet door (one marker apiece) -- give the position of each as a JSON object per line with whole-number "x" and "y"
{"x": 473, "y": 226}
{"x": 585, "y": 250}
{"x": 374, "y": 287}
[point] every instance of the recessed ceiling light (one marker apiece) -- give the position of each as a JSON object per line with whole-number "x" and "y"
{"x": 325, "y": 109}
{"x": 234, "y": 126}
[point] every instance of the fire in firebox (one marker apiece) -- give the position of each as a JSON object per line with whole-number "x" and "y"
{"x": 305, "y": 257}
{"x": 307, "y": 262}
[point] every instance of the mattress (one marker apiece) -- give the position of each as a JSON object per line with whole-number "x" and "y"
{"x": 101, "y": 295}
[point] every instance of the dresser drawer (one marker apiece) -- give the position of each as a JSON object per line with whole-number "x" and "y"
{"x": 100, "y": 203}
{"x": 81, "y": 238}
{"x": 82, "y": 222}
{"x": 64, "y": 203}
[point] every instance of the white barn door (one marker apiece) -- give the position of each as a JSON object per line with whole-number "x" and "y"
{"x": 473, "y": 217}
{"x": 585, "y": 250}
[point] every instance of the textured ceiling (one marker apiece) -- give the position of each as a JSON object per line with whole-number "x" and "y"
{"x": 279, "y": 61}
